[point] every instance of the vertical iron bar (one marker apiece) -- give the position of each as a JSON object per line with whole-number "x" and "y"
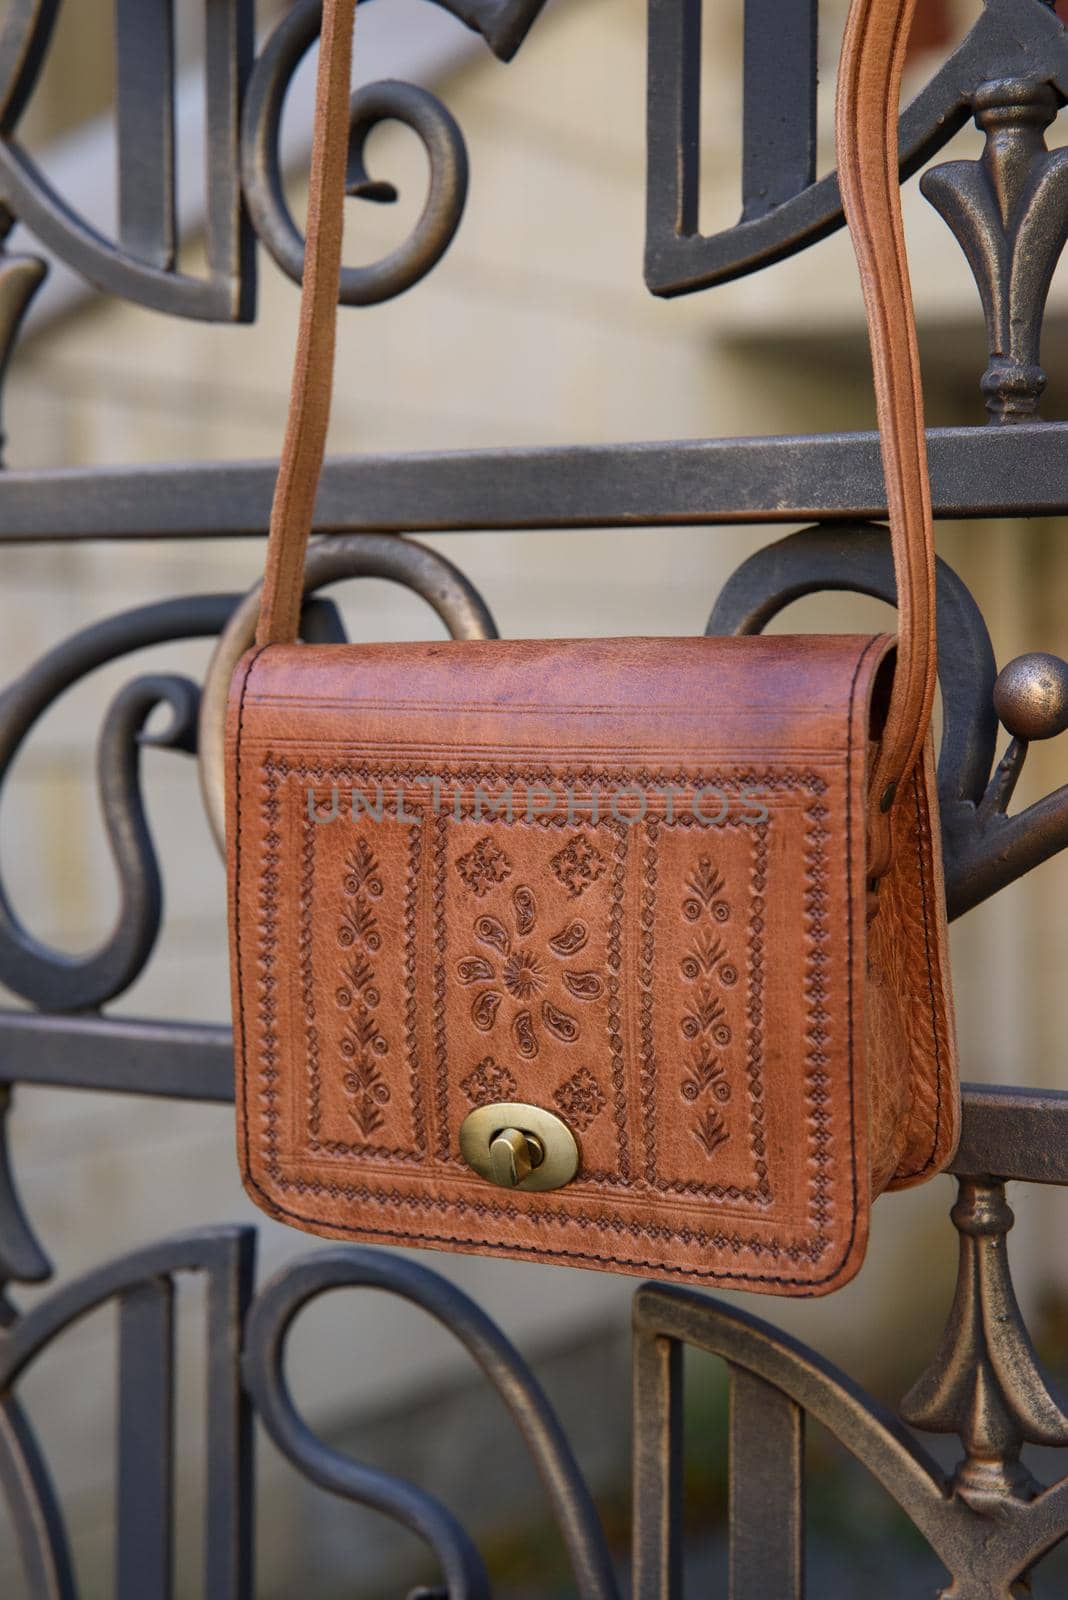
{"x": 146, "y": 1442}
{"x": 673, "y": 120}
{"x": 766, "y": 1491}
{"x": 658, "y": 1441}
{"x": 144, "y": 93}
{"x": 779, "y": 104}
{"x": 229, "y": 1481}
{"x": 228, "y": 57}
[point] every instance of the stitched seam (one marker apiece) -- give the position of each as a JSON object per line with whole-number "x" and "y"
{"x": 849, "y": 951}
{"x": 237, "y": 906}
{"x": 916, "y": 1172}
{"x": 759, "y": 1193}
{"x": 714, "y": 1275}
{"x": 286, "y": 702}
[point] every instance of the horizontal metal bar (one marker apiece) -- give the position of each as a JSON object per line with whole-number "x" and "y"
{"x": 177, "y": 1060}
{"x": 975, "y": 472}
{"x": 1014, "y": 1133}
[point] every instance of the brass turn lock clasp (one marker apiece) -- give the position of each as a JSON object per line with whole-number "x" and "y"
{"x": 518, "y": 1146}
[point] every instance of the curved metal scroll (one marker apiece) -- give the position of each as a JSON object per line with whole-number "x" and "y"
{"x": 984, "y": 849}
{"x": 361, "y": 555}
{"x": 270, "y": 1320}
{"x": 141, "y": 264}
{"x": 50, "y": 978}
{"x": 377, "y": 102}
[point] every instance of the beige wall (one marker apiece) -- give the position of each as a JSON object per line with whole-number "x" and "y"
{"x": 536, "y": 328}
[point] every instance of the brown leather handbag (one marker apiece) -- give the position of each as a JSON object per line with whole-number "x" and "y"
{"x": 621, "y": 953}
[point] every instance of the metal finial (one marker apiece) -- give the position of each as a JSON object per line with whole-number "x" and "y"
{"x": 1031, "y": 696}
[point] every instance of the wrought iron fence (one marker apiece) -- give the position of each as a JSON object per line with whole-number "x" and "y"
{"x": 987, "y": 1519}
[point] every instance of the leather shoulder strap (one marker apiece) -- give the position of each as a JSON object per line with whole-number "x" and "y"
{"x": 869, "y": 83}
{"x": 869, "y": 89}
{"x": 313, "y": 368}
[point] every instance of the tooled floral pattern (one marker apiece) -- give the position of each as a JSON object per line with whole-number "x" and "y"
{"x": 262, "y": 1070}
{"x": 522, "y": 968}
{"x": 705, "y": 1023}
{"x": 487, "y": 1082}
{"x": 356, "y": 996}
{"x": 581, "y": 1098}
{"x": 578, "y": 864}
{"x": 484, "y": 865}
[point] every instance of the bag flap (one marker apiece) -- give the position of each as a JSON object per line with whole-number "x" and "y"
{"x": 623, "y": 880}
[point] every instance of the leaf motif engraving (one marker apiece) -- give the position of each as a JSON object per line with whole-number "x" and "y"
{"x": 488, "y": 930}
{"x": 359, "y": 925}
{"x": 706, "y": 964}
{"x": 706, "y": 888}
{"x": 570, "y": 940}
{"x": 584, "y": 985}
{"x": 706, "y": 1072}
{"x": 484, "y": 1010}
{"x": 526, "y": 1040}
{"x": 525, "y": 910}
{"x": 707, "y": 958}
{"x": 474, "y": 969}
{"x": 559, "y": 1023}
{"x": 710, "y": 1132}
{"x": 361, "y": 871}
{"x": 362, "y": 1043}
{"x": 706, "y": 1015}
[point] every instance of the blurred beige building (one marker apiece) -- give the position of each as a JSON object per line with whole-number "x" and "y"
{"x": 536, "y": 328}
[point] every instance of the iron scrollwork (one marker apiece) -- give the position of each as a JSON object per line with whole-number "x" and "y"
{"x": 57, "y": 982}
{"x": 983, "y": 847}
{"x": 141, "y": 264}
{"x": 1011, "y": 39}
{"x": 141, "y": 1285}
{"x": 989, "y": 1523}
{"x": 502, "y": 23}
{"x": 20, "y": 278}
{"x": 376, "y": 103}
{"x": 243, "y": 178}
{"x": 271, "y": 1318}
{"x": 47, "y": 977}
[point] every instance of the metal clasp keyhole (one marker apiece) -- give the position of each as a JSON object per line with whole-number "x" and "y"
{"x": 513, "y": 1156}
{"x": 519, "y": 1146}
